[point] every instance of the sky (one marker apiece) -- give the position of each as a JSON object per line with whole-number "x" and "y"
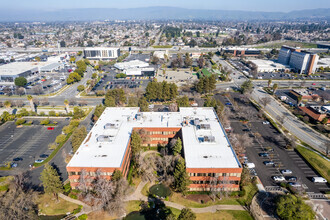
{"x": 246, "y": 5}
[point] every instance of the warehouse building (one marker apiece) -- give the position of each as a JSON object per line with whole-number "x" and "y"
{"x": 101, "y": 53}
{"x": 270, "y": 66}
{"x": 207, "y": 151}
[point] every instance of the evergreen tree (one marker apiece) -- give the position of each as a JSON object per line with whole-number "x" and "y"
{"x": 98, "y": 112}
{"x": 51, "y": 181}
{"x": 173, "y": 91}
{"x": 186, "y": 214}
{"x": 143, "y": 104}
{"x": 109, "y": 101}
{"x": 181, "y": 178}
{"x": 247, "y": 87}
{"x": 183, "y": 102}
{"x": 78, "y": 136}
{"x": 177, "y": 147}
{"x": 290, "y": 207}
{"x": 136, "y": 143}
{"x": 117, "y": 175}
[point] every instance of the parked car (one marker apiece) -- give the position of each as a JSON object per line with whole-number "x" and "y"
{"x": 13, "y": 164}
{"x": 319, "y": 180}
{"x": 295, "y": 184}
{"x": 228, "y": 103}
{"x": 250, "y": 165}
{"x": 50, "y": 128}
{"x": 269, "y": 163}
{"x": 265, "y": 122}
{"x": 286, "y": 172}
{"x": 291, "y": 179}
{"x": 39, "y": 161}
{"x": 44, "y": 156}
{"x": 263, "y": 155}
{"x": 17, "y": 159}
{"x": 278, "y": 178}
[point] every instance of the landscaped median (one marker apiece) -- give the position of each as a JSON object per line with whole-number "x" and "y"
{"x": 320, "y": 164}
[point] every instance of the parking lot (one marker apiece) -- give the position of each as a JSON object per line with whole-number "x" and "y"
{"x": 266, "y": 139}
{"x": 27, "y": 142}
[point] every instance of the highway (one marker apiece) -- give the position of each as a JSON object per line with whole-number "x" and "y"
{"x": 277, "y": 110}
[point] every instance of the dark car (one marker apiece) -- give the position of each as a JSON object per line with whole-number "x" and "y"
{"x": 44, "y": 156}
{"x": 17, "y": 159}
{"x": 263, "y": 155}
{"x": 291, "y": 178}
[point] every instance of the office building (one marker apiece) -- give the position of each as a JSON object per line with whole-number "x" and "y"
{"x": 206, "y": 148}
{"x": 101, "y": 53}
{"x": 301, "y": 61}
{"x": 135, "y": 68}
{"x": 236, "y": 51}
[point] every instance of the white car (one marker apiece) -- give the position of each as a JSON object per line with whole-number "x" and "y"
{"x": 278, "y": 178}
{"x": 265, "y": 122}
{"x": 295, "y": 184}
{"x": 319, "y": 180}
{"x": 286, "y": 172}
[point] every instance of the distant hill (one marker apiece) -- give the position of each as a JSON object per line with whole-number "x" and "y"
{"x": 156, "y": 13}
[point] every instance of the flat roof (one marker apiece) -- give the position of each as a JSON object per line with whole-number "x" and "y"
{"x": 16, "y": 68}
{"x": 131, "y": 64}
{"x": 269, "y": 64}
{"x": 106, "y": 143}
{"x": 101, "y": 48}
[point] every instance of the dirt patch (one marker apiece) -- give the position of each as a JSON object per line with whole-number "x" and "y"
{"x": 201, "y": 198}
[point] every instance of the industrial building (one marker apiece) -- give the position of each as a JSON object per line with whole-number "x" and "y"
{"x": 206, "y": 148}
{"x": 301, "y": 61}
{"x": 101, "y": 53}
{"x": 135, "y": 68}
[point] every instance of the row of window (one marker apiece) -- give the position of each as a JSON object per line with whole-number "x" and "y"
{"x": 91, "y": 173}
{"x": 217, "y": 183}
{"x": 159, "y": 139}
{"x": 219, "y": 189}
{"x": 161, "y": 132}
{"x": 215, "y": 174}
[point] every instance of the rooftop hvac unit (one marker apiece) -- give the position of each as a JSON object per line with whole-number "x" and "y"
{"x": 111, "y": 126}
{"x": 104, "y": 138}
{"x": 205, "y": 126}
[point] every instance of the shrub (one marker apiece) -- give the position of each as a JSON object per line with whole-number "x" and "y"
{"x": 100, "y": 93}
{"x": 51, "y": 113}
{"x": 20, "y": 121}
{"x": 73, "y": 196}
{"x": 42, "y": 114}
{"x": 45, "y": 122}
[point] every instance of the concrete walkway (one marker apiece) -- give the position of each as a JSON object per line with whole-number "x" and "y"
{"x": 86, "y": 208}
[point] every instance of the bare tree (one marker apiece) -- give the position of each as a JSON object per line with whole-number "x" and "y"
{"x": 37, "y": 90}
{"x": 214, "y": 188}
{"x": 147, "y": 167}
{"x": 20, "y": 91}
{"x": 173, "y": 107}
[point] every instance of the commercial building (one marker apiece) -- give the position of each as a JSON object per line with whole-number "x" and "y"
{"x": 236, "y": 51}
{"x": 301, "y": 61}
{"x": 135, "y": 68}
{"x": 270, "y": 66}
{"x": 101, "y": 53}
{"x": 207, "y": 151}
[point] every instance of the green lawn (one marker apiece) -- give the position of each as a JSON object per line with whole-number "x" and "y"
{"x": 289, "y": 43}
{"x": 224, "y": 215}
{"x": 165, "y": 46}
{"x": 48, "y": 205}
{"x": 132, "y": 206}
{"x": 316, "y": 161}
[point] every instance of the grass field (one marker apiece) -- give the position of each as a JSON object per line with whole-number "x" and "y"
{"x": 316, "y": 161}
{"x": 224, "y": 215}
{"x": 165, "y": 46}
{"x": 289, "y": 43}
{"x": 48, "y": 205}
{"x": 132, "y": 206}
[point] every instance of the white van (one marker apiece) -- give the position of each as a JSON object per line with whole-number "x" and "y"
{"x": 250, "y": 165}
{"x": 319, "y": 180}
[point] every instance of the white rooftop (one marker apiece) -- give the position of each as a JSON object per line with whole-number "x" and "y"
{"x": 133, "y": 64}
{"x": 101, "y": 48}
{"x": 269, "y": 64}
{"x": 107, "y": 142}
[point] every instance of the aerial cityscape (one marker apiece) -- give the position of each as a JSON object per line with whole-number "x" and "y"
{"x": 176, "y": 110}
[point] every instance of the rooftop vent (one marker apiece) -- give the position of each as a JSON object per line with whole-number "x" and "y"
{"x": 205, "y": 126}
{"x": 111, "y": 126}
{"x": 196, "y": 121}
{"x": 205, "y": 139}
{"x": 104, "y": 138}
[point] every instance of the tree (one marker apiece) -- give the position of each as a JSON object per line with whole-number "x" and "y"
{"x": 20, "y": 81}
{"x": 187, "y": 61}
{"x": 186, "y": 214}
{"x": 201, "y": 62}
{"x": 247, "y": 87}
{"x": 265, "y": 101}
{"x": 275, "y": 87}
{"x": 81, "y": 88}
{"x": 99, "y": 109}
{"x": 114, "y": 97}
{"x": 66, "y": 103}
{"x": 78, "y": 136}
{"x": 117, "y": 175}
{"x": 136, "y": 143}
{"x": 143, "y": 104}
{"x": 110, "y": 102}
{"x": 325, "y": 120}
{"x": 290, "y": 207}
{"x": 299, "y": 99}
{"x": 30, "y": 98}
{"x": 7, "y": 104}
{"x": 94, "y": 75}
{"x": 78, "y": 113}
{"x": 269, "y": 82}
{"x": 183, "y": 102}
{"x": 72, "y": 59}
{"x": 181, "y": 178}
{"x": 60, "y": 139}
{"x": 177, "y": 147}
{"x": 51, "y": 181}
{"x": 18, "y": 201}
